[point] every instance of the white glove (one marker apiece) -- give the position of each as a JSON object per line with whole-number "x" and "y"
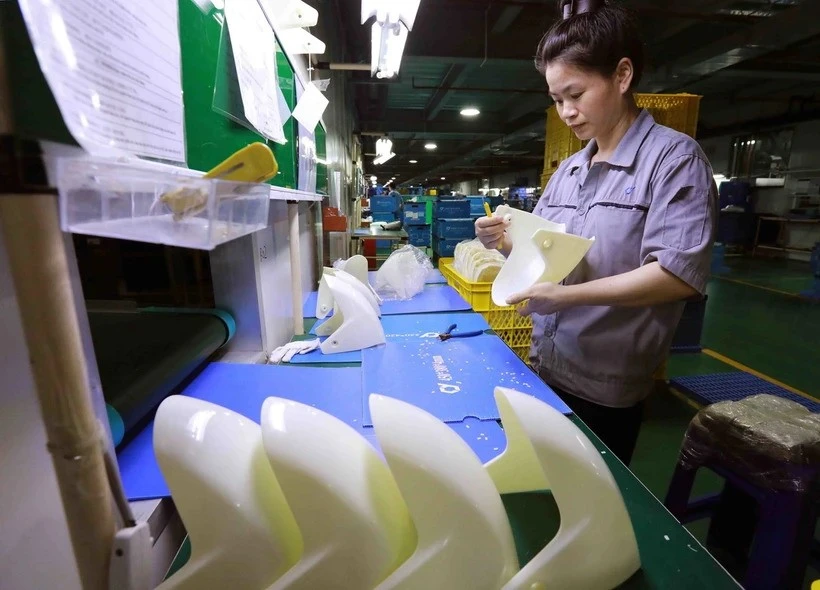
{"x": 287, "y": 352}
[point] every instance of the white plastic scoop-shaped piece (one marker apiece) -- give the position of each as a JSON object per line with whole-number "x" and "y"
{"x": 324, "y": 298}
{"x": 542, "y": 251}
{"x": 243, "y": 534}
{"x": 354, "y": 324}
{"x": 517, "y": 468}
{"x": 357, "y": 266}
{"x": 595, "y": 546}
{"x": 355, "y": 526}
{"x": 364, "y": 288}
{"x": 464, "y": 536}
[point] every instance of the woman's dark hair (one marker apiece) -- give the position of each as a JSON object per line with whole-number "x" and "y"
{"x": 592, "y": 35}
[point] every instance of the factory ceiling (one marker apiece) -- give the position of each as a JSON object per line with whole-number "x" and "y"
{"x": 751, "y": 60}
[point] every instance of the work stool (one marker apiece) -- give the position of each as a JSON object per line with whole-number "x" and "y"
{"x": 768, "y": 450}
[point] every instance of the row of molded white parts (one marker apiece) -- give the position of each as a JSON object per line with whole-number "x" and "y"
{"x": 304, "y": 501}
{"x": 354, "y": 323}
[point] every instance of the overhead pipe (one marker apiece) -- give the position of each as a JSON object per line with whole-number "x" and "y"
{"x": 324, "y": 65}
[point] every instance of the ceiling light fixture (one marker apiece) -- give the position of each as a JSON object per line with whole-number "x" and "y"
{"x": 388, "y": 34}
{"x": 414, "y": 161}
{"x": 470, "y": 112}
{"x": 430, "y": 146}
{"x": 384, "y": 150}
{"x": 443, "y": 178}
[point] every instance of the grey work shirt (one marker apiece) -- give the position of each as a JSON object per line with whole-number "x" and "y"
{"x": 654, "y": 200}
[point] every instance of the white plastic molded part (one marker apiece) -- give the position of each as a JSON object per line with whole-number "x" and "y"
{"x": 296, "y": 14}
{"x": 357, "y": 266}
{"x": 324, "y": 298}
{"x": 595, "y": 546}
{"x": 299, "y": 41}
{"x": 517, "y": 468}
{"x": 354, "y": 324}
{"x": 464, "y": 536}
{"x": 356, "y": 528}
{"x": 243, "y": 534}
{"x": 542, "y": 252}
{"x": 363, "y": 288}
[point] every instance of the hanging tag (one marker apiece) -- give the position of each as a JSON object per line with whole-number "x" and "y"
{"x": 310, "y": 107}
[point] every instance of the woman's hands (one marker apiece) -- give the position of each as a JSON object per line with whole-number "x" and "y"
{"x": 492, "y": 232}
{"x": 645, "y": 286}
{"x": 543, "y": 299}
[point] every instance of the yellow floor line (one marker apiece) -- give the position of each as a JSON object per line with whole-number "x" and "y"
{"x": 685, "y": 398}
{"x": 761, "y": 287}
{"x": 742, "y": 367}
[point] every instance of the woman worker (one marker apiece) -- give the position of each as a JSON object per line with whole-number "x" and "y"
{"x": 646, "y": 193}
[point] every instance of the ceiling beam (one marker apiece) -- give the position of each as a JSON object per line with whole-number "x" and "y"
{"x": 787, "y": 28}
{"x": 506, "y": 18}
{"x": 769, "y": 74}
{"x": 415, "y": 121}
{"x": 454, "y": 76}
{"x": 527, "y": 133}
{"x": 682, "y": 24}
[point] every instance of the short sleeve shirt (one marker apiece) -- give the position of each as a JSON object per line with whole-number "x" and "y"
{"x": 654, "y": 200}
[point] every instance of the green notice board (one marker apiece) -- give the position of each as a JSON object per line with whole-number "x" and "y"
{"x": 210, "y": 135}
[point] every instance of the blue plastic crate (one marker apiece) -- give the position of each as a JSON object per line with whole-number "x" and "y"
{"x": 456, "y": 229}
{"x": 383, "y": 205}
{"x": 476, "y": 205}
{"x": 450, "y": 208}
{"x": 415, "y": 214}
{"x": 735, "y": 386}
{"x": 418, "y": 235}
{"x": 388, "y": 217}
{"x": 445, "y": 247}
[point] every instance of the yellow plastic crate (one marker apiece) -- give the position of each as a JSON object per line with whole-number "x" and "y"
{"x": 513, "y": 328}
{"x": 523, "y": 352}
{"x": 678, "y": 111}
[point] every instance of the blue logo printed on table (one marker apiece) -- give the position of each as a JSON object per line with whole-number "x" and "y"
{"x": 443, "y": 374}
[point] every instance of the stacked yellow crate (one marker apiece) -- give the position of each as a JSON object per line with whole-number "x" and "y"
{"x": 678, "y": 111}
{"x": 511, "y": 327}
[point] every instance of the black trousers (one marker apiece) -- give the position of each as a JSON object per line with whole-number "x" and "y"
{"x": 618, "y": 428}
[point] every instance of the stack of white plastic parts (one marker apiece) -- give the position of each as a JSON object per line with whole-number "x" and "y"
{"x": 304, "y": 501}
{"x": 476, "y": 263}
{"x": 346, "y": 292}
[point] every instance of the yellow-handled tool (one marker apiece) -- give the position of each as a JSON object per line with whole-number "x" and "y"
{"x": 253, "y": 163}
{"x": 489, "y": 213}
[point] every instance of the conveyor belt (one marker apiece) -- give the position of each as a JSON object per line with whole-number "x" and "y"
{"x": 143, "y": 356}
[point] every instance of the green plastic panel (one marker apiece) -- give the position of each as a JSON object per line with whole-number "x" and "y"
{"x": 321, "y": 153}
{"x": 211, "y": 136}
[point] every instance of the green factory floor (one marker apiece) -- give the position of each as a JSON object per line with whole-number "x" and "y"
{"x": 772, "y": 333}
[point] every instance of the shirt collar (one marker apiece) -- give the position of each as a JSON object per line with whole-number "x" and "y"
{"x": 627, "y": 149}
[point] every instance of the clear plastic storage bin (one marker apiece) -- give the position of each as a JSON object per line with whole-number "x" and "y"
{"x": 146, "y": 204}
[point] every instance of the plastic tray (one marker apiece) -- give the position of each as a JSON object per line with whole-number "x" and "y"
{"x": 132, "y": 202}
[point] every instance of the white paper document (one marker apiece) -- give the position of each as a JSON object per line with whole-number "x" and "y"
{"x": 310, "y": 107}
{"x": 114, "y": 70}
{"x": 254, "y": 50}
